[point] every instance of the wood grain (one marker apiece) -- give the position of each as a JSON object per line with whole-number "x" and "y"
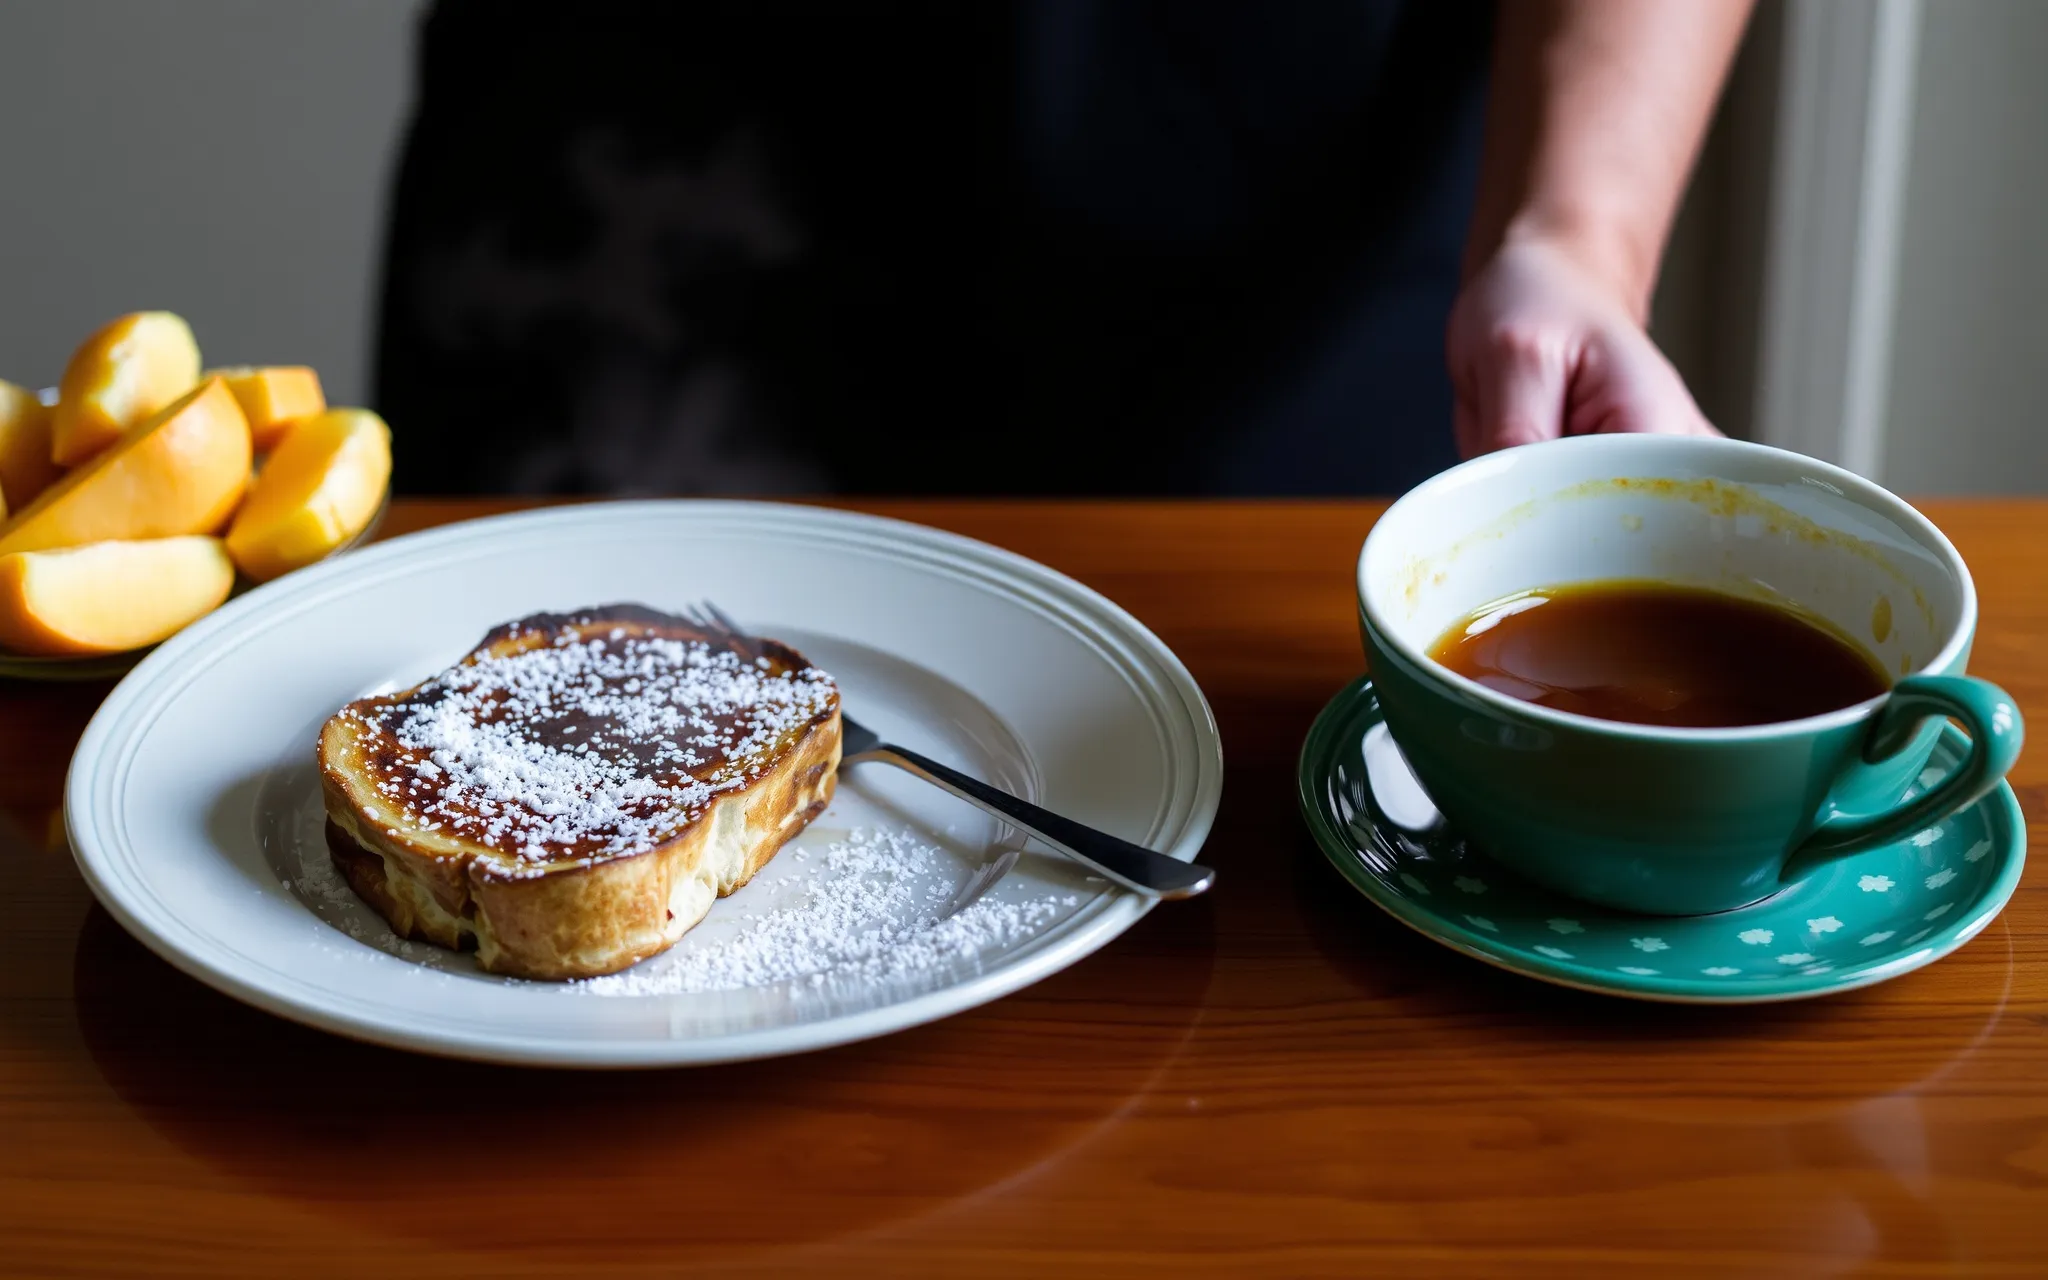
{"x": 1275, "y": 1079}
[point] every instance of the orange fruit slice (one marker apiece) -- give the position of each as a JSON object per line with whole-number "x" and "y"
{"x": 119, "y": 376}
{"x": 109, "y": 596}
{"x": 273, "y": 398}
{"x": 318, "y": 489}
{"x": 25, "y": 466}
{"x": 181, "y": 471}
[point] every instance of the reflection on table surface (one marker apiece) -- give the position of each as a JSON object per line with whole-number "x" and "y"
{"x": 1273, "y": 1079}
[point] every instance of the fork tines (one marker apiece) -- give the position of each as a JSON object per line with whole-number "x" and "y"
{"x": 705, "y": 614}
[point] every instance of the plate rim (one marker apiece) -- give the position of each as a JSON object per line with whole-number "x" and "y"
{"x": 95, "y": 776}
{"x": 1655, "y": 989}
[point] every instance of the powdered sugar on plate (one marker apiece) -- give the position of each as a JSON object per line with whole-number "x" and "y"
{"x": 867, "y": 910}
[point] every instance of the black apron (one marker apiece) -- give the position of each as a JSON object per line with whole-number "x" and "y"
{"x": 1057, "y": 247}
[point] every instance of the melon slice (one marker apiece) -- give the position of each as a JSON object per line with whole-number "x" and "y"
{"x": 179, "y": 472}
{"x": 119, "y": 376}
{"x": 273, "y": 398}
{"x": 318, "y": 489}
{"x": 109, "y": 596}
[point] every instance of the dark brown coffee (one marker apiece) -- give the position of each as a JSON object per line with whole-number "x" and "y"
{"x": 1651, "y": 653}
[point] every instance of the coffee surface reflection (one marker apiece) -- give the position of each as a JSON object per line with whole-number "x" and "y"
{"x": 1655, "y": 653}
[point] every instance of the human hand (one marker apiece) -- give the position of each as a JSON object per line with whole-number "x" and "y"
{"x": 1540, "y": 347}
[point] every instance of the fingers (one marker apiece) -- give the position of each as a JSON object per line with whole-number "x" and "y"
{"x": 1537, "y": 351}
{"x": 1625, "y": 384}
{"x": 1519, "y": 382}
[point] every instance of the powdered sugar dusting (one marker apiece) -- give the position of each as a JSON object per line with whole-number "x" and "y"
{"x": 868, "y": 911}
{"x": 588, "y": 747}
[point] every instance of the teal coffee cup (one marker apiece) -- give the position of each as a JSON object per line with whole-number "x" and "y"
{"x": 1678, "y": 821}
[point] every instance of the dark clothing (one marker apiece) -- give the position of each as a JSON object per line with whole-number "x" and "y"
{"x": 964, "y": 246}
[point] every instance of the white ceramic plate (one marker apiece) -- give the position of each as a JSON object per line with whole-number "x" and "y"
{"x": 194, "y": 810}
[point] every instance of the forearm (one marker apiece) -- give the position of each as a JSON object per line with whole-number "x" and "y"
{"x": 1594, "y": 118}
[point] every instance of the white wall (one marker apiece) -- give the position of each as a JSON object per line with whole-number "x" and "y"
{"x": 1704, "y": 314}
{"x": 1968, "y": 405}
{"x": 226, "y": 159}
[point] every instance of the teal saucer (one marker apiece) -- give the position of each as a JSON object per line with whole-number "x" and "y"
{"x": 1854, "y": 922}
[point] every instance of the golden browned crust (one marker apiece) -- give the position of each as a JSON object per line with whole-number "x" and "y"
{"x": 570, "y": 918}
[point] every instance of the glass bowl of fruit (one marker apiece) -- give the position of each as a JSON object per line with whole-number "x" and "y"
{"x": 142, "y": 491}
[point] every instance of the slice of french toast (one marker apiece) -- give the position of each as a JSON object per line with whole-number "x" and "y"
{"x": 571, "y": 797}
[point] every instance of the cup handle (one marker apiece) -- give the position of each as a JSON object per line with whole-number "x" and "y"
{"x": 1996, "y": 731}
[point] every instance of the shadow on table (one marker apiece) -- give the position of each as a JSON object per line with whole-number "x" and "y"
{"x": 1771, "y": 1064}
{"x": 731, "y": 1160}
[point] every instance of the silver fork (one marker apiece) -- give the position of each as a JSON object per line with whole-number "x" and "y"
{"x": 1133, "y": 866}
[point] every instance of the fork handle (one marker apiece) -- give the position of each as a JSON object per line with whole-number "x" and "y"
{"x": 1132, "y": 866}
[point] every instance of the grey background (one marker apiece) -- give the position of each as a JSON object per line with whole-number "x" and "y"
{"x": 225, "y": 159}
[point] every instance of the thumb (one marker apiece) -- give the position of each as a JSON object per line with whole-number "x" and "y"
{"x": 1519, "y": 389}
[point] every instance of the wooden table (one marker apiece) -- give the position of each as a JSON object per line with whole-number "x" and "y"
{"x": 1272, "y": 1080}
